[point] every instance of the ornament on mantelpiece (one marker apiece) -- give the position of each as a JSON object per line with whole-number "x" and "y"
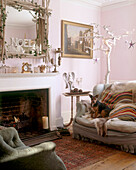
{"x": 48, "y": 67}
{"x": 36, "y": 70}
{"x": 13, "y": 70}
{"x": 4, "y": 69}
{"x": 56, "y": 62}
{"x": 26, "y": 68}
{"x": 42, "y": 68}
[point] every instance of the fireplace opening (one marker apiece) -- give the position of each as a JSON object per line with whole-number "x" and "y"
{"x": 24, "y": 109}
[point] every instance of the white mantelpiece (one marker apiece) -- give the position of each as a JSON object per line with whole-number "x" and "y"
{"x": 28, "y": 81}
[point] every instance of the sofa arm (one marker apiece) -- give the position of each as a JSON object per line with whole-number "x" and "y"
{"x": 81, "y": 109}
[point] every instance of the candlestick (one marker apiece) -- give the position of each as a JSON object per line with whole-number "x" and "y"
{"x": 56, "y": 62}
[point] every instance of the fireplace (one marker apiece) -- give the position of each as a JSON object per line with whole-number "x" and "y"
{"x": 50, "y": 83}
{"x": 24, "y": 109}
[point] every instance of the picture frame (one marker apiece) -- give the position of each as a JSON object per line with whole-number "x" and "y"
{"x": 74, "y": 44}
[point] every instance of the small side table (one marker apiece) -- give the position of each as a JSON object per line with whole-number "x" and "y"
{"x": 72, "y": 95}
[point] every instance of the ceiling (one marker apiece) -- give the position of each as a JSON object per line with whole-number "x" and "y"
{"x": 104, "y": 2}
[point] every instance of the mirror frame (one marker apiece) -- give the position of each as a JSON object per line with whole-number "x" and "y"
{"x": 41, "y": 17}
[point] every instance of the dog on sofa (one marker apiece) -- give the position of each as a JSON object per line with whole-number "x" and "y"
{"x": 98, "y": 109}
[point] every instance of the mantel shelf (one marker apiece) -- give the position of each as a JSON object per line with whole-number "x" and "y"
{"x": 23, "y": 75}
{"x": 14, "y": 55}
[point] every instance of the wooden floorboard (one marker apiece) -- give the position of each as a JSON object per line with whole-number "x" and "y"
{"x": 131, "y": 167}
{"x": 119, "y": 161}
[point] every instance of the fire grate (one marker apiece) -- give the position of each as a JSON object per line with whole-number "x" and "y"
{"x": 35, "y": 138}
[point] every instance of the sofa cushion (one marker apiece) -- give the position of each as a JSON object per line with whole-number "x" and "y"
{"x": 121, "y": 86}
{"x": 125, "y": 111}
{"x": 111, "y": 99}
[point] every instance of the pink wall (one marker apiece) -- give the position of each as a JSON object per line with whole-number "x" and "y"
{"x": 123, "y": 60}
{"x": 83, "y": 68}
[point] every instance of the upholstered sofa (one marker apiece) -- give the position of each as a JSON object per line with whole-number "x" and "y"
{"x": 121, "y": 123}
{"x": 15, "y": 155}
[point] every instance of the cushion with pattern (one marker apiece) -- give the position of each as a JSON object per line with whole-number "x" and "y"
{"x": 126, "y": 111}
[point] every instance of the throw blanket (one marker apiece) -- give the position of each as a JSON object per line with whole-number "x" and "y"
{"x": 101, "y": 126}
{"x": 100, "y": 123}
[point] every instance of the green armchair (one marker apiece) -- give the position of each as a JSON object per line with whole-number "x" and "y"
{"x": 15, "y": 155}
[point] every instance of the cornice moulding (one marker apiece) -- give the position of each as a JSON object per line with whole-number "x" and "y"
{"x": 117, "y": 5}
{"x": 94, "y": 3}
{"x": 107, "y": 5}
{"x": 85, "y": 3}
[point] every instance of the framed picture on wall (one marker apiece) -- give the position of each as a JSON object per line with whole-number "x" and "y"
{"x": 74, "y": 41}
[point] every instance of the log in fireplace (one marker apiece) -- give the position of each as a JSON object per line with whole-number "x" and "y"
{"x": 24, "y": 109}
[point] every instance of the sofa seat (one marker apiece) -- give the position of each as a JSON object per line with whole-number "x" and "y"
{"x": 112, "y": 124}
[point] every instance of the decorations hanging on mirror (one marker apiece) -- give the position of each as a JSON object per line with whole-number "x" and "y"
{"x": 2, "y": 29}
{"x": 40, "y": 17}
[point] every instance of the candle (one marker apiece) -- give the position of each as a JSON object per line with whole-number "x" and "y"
{"x": 45, "y": 122}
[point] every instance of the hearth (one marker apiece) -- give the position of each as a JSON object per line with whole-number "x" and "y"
{"x": 24, "y": 109}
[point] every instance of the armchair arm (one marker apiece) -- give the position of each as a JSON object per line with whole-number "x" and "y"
{"x": 5, "y": 149}
{"x": 40, "y": 157}
{"x": 47, "y": 146}
{"x": 10, "y": 137}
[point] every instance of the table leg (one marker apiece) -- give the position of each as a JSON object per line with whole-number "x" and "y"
{"x": 71, "y": 119}
{"x": 77, "y": 100}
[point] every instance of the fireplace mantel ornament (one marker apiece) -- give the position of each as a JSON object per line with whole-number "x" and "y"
{"x": 26, "y": 68}
{"x": 56, "y": 61}
{"x": 40, "y": 16}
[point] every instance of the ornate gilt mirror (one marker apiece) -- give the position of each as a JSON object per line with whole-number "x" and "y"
{"x": 24, "y": 29}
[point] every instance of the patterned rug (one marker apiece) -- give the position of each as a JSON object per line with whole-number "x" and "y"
{"x": 77, "y": 154}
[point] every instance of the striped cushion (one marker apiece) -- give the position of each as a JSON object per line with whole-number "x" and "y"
{"x": 112, "y": 99}
{"x": 134, "y": 95}
{"x": 124, "y": 112}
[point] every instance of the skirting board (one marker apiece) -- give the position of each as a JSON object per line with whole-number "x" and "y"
{"x": 67, "y": 115}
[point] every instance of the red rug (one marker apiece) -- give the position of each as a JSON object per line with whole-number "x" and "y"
{"x": 77, "y": 154}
